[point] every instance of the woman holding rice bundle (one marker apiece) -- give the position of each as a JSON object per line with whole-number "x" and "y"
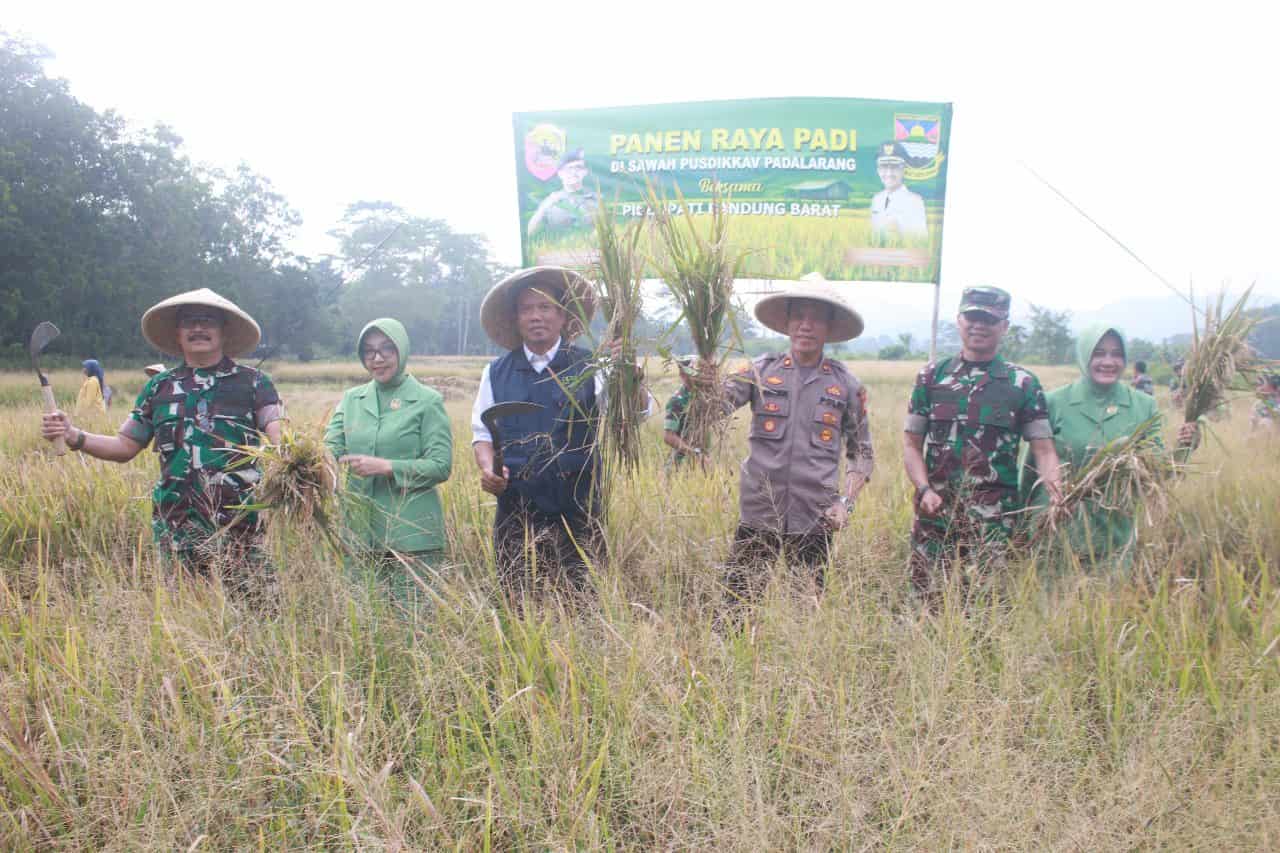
{"x": 1086, "y": 415}
{"x": 393, "y": 435}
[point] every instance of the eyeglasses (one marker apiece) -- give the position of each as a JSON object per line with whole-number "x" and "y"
{"x": 208, "y": 321}
{"x": 387, "y": 351}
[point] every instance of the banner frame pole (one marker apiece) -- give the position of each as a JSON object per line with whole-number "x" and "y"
{"x": 933, "y": 331}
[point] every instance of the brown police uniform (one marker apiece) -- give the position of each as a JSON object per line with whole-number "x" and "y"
{"x": 802, "y": 422}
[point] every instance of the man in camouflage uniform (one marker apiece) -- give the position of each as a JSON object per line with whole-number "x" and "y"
{"x": 196, "y": 415}
{"x": 677, "y": 413}
{"x": 572, "y": 207}
{"x": 807, "y": 412}
{"x": 1141, "y": 380}
{"x": 965, "y": 421}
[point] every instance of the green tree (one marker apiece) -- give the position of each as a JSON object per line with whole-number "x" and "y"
{"x": 1050, "y": 340}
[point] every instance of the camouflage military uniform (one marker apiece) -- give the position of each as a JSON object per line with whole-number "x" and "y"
{"x": 973, "y": 416}
{"x": 677, "y": 414}
{"x": 196, "y": 417}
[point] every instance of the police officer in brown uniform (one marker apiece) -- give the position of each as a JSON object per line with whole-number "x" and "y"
{"x": 807, "y": 411}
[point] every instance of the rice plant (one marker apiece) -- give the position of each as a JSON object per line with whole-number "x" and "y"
{"x": 619, "y": 275}
{"x": 699, "y": 264}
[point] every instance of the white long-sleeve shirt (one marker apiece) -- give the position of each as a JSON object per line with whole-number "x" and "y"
{"x": 899, "y": 212}
{"x": 484, "y": 395}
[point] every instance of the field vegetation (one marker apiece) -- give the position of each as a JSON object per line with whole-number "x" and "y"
{"x": 1057, "y": 710}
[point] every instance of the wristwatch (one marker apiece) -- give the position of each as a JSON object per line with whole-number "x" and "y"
{"x": 845, "y": 502}
{"x": 78, "y": 442}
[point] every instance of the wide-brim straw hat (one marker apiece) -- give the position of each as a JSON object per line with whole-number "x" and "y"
{"x": 154, "y": 369}
{"x": 240, "y": 333}
{"x": 571, "y": 290}
{"x": 846, "y": 324}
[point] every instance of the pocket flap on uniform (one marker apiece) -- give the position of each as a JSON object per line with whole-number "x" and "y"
{"x": 774, "y": 405}
{"x": 828, "y": 415}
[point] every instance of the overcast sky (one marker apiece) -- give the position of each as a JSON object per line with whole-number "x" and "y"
{"x": 1160, "y": 122}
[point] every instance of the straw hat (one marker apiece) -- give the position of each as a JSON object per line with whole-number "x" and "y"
{"x": 846, "y": 324}
{"x": 572, "y": 291}
{"x": 154, "y": 369}
{"x": 240, "y": 334}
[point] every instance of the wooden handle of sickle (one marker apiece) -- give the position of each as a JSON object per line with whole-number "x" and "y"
{"x": 51, "y": 406}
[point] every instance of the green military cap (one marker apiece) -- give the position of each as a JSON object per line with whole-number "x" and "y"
{"x": 989, "y": 300}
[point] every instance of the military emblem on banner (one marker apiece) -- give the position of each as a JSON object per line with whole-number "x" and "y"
{"x": 543, "y": 148}
{"x": 920, "y": 138}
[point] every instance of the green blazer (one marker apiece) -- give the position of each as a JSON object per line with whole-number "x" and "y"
{"x": 401, "y": 512}
{"x": 1083, "y": 423}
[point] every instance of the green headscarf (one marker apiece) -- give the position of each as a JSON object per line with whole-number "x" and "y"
{"x": 394, "y": 330}
{"x": 1089, "y": 338}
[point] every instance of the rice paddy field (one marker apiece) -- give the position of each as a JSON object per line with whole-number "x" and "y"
{"x": 789, "y": 247}
{"x": 1065, "y": 709}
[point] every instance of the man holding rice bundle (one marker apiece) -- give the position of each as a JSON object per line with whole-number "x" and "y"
{"x": 197, "y": 415}
{"x": 548, "y": 518}
{"x": 807, "y": 412}
{"x": 966, "y": 419}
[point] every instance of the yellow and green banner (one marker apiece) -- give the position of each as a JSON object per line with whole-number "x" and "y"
{"x": 846, "y": 187}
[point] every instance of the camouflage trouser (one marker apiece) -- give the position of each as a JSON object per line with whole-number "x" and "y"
{"x": 969, "y": 542}
{"x": 236, "y": 556}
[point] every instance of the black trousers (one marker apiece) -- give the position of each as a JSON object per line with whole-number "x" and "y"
{"x": 754, "y": 551}
{"x": 534, "y": 549}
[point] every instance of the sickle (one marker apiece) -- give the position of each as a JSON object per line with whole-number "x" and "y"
{"x": 489, "y": 417}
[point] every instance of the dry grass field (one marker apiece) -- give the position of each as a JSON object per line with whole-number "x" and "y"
{"x": 1067, "y": 710}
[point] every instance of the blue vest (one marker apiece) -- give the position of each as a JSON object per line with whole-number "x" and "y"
{"x": 551, "y": 453}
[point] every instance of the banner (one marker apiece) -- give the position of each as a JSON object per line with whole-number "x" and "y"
{"x": 849, "y": 188}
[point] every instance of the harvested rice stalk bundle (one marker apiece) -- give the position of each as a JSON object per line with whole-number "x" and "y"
{"x": 298, "y": 480}
{"x": 1220, "y": 360}
{"x": 698, "y": 266}
{"x": 619, "y": 275}
{"x": 1125, "y": 475}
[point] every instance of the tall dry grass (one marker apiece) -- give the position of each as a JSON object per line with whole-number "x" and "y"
{"x": 140, "y": 712}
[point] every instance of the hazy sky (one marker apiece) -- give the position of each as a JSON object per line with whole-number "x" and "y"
{"x": 1160, "y": 122}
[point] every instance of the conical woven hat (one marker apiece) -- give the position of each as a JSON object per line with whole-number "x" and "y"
{"x": 571, "y": 290}
{"x": 240, "y": 334}
{"x": 846, "y": 324}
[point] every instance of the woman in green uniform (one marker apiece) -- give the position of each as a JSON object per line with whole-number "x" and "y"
{"x": 393, "y": 435}
{"x": 1096, "y": 409}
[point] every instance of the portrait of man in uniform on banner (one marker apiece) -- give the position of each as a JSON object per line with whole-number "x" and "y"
{"x": 574, "y": 205}
{"x": 897, "y": 213}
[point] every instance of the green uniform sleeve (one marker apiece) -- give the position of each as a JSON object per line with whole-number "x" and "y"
{"x": 436, "y": 462}
{"x": 335, "y": 434}
{"x": 1033, "y": 413}
{"x": 676, "y": 408}
{"x": 140, "y": 426}
{"x": 917, "y": 421}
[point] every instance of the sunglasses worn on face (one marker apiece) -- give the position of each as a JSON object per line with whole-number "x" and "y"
{"x": 208, "y": 321}
{"x": 387, "y": 351}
